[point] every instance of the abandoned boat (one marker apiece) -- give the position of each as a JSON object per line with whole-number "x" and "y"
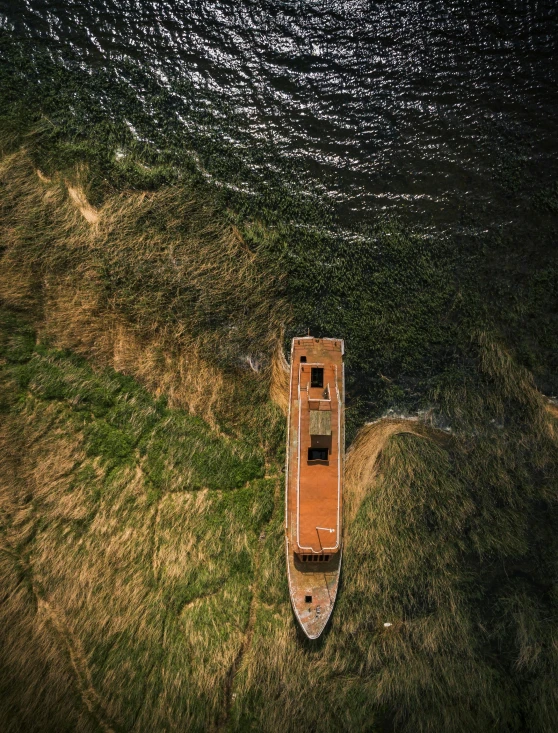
{"x": 314, "y": 479}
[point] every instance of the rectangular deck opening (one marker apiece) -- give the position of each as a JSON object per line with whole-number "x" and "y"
{"x": 317, "y": 377}
{"x": 317, "y": 454}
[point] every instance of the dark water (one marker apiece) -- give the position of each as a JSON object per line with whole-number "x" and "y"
{"x": 409, "y": 106}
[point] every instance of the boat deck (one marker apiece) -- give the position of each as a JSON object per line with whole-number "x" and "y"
{"x": 318, "y": 482}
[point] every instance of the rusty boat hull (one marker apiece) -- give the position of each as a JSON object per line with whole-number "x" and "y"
{"x": 314, "y": 479}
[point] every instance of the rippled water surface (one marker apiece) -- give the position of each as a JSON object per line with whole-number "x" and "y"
{"x": 411, "y": 106}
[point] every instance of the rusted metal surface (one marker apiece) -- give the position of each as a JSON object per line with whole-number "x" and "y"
{"x": 314, "y": 482}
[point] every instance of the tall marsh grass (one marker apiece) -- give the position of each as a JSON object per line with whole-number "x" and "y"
{"x": 153, "y": 284}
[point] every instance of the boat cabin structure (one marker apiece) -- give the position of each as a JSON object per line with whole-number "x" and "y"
{"x": 314, "y": 479}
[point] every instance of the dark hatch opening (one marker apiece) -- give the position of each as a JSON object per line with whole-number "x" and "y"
{"x": 308, "y": 599}
{"x": 317, "y": 377}
{"x": 317, "y": 454}
{"x": 303, "y": 359}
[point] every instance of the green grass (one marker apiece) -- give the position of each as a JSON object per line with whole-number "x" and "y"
{"x": 121, "y": 422}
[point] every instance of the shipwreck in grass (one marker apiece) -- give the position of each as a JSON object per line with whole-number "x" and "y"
{"x": 314, "y": 479}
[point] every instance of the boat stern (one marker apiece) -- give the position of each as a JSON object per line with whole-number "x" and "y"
{"x": 313, "y": 586}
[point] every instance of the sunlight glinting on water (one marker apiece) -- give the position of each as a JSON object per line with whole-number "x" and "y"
{"x": 409, "y": 101}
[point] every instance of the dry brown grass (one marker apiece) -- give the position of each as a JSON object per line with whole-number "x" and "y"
{"x": 552, "y": 412}
{"x": 362, "y": 458}
{"x": 78, "y": 197}
{"x": 43, "y": 684}
{"x": 80, "y": 667}
{"x": 151, "y": 284}
{"x": 280, "y": 378}
{"x": 43, "y": 657}
{"x": 74, "y": 318}
{"x": 42, "y": 177}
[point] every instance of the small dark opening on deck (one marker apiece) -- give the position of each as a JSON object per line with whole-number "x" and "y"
{"x": 308, "y": 599}
{"x": 317, "y": 377}
{"x": 303, "y": 359}
{"x": 317, "y": 454}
